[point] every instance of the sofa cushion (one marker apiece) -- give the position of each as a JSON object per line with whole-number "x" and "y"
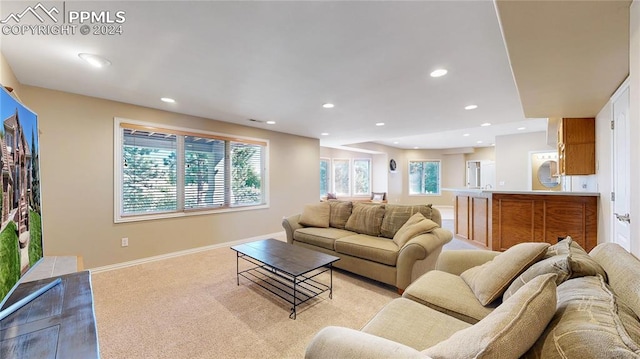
{"x": 589, "y": 323}
{"x": 510, "y": 330}
{"x": 559, "y": 264}
{"x": 366, "y": 219}
{"x": 375, "y": 249}
{"x": 321, "y": 237}
{"x": 413, "y": 324}
{"x": 449, "y": 294}
{"x": 339, "y": 213}
{"x": 315, "y": 215}
{"x": 489, "y": 280}
{"x": 416, "y": 225}
{"x": 619, "y": 263}
{"x": 581, "y": 263}
{"x": 396, "y": 216}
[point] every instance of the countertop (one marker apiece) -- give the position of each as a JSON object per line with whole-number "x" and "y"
{"x": 551, "y": 193}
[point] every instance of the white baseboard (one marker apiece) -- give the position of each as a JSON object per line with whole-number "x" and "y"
{"x": 181, "y": 253}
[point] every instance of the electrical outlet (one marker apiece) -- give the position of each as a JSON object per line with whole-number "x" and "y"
{"x": 125, "y": 242}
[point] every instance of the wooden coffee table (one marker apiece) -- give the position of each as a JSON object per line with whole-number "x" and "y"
{"x": 285, "y": 270}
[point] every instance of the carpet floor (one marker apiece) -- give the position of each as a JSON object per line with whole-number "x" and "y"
{"x": 191, "y": 307}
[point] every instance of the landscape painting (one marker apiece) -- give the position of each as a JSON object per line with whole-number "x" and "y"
{"x": 20, "y": 208}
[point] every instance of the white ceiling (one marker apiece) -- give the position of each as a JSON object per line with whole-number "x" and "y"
{"x": 280, "y": 61}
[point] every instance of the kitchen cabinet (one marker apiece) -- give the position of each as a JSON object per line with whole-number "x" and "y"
{"x": 498, "y": 220}
{"x": 577, "y": 146}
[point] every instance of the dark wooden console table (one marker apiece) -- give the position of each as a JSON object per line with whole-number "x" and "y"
{"x": 58, "y": 324}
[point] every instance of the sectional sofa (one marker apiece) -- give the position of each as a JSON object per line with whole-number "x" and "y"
{"x": 531, "y": 301}
{"x": 393, "y": 244}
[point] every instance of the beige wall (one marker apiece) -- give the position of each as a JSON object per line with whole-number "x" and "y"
{"x": 77, "y": 157}
{"x": 396, "y": 183}
{"x": 7, "y": 77}
{"x": 482, "y": 154}
{"x": 512, "y": 159}
{"x": 452, "y": 172}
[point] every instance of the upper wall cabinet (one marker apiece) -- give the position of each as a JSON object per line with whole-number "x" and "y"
{"x": 577, "y": 146}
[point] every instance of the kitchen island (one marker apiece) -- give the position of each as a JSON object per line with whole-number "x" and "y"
{"x": 497, "y": 220}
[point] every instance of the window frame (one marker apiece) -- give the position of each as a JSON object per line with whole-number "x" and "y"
{"x": 439, "y": 193}
{"x": 181, "y": 211}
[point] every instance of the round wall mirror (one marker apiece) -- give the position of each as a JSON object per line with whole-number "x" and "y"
{"x": 546, "y": 173}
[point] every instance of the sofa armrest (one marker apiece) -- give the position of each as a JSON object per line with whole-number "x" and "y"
{"x": 339, "y": 342}
{"x": 458, "y": 261}
{"x": 290, "y": 224}
{"x": 419, "y": 255}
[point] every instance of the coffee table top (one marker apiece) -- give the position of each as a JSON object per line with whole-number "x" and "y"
{"x": 285, "y": 257}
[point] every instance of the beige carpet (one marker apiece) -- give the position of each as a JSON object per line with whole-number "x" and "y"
{"x": 191, "y": 307}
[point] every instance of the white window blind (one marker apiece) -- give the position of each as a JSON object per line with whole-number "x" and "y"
{"x": 246, "y": 174}
{"x": 149, "y": 172}
{"x": 163, "y": 172}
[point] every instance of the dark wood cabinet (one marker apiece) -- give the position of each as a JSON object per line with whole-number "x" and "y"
{"x": 472, "y": 218}
{"x": 500, "y": 220}
{"x": 577, "y": 146}
{"x": 519, "y": 218}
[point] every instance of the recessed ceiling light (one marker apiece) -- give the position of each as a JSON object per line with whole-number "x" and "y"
{"x": 471, "y": 107}
{"x": 493, "y": 144}
{"x": 467, "y": 135}
{"x": 438, "y": 73}
{"x": 479, "y": 142}
{"x": 328, "y": 105}
{"x": 521, "y": 128}
{"x": 485, "y": 124}
{"x": 167, "y": 100}
{"x": 325, "y": 134}
{"x": 94, "y": 60}
{"x": 271, "y": 122}
{"x": 380, "y": 124}
{"x": 395, "y": 142}
{"x": 416, "y": 148}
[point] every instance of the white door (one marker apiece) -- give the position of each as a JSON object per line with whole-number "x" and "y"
{"x": 621, "y": 222}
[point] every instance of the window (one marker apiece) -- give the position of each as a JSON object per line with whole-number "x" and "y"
{"x": 361, "y": 177}
{"x": 325, "y": 176}
{"x": 167, "y": 172}
{"x": 424, "y": 177}
{"x": 341, "y": 177}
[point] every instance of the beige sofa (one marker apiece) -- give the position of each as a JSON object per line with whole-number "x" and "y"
{"x": 393, "y": 244}
{"x": 563, "y": 304}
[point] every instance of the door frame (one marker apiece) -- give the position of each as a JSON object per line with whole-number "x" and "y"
{"x": 612, "y": 217}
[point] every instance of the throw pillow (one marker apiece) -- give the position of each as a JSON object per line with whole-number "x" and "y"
{"x": 559, "y": 264}
{"x": 396, "y": 215}
{"x": 366, "y": 218}
{"x": 489, "y": 280}
{"x": 415, "y": 226}
{"x": 510, "y": 330}
{"x": 315, "y": 215}
{"x": 581, "y": 262}
{"x": 339, "y": 213}
{"x": 590, "y": 322}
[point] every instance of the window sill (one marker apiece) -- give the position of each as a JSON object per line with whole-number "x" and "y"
{"x": 187, "y": 213}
